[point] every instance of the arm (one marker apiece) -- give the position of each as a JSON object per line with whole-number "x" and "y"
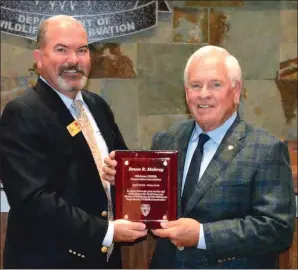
{"x": 26, "y": 173}
{"x": 269, "y": 226}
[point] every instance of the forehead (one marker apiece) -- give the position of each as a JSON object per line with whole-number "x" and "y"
{"x": 66, "y": 33}
{"x": 210, "y": 67}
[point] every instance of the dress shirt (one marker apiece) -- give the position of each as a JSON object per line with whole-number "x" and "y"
{"x": 101, "y": 144}
{"x": 210, "y": 148}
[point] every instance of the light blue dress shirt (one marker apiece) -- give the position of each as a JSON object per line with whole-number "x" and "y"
{"x": 210, "y": 148}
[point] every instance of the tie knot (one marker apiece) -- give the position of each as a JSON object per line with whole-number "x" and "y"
{"x": 203, "y": 138}
{"x": 78, "y": 106}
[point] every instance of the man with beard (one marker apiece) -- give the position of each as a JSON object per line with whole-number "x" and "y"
{"x": 236, "y": 206}
{"x": 53, "y": 140}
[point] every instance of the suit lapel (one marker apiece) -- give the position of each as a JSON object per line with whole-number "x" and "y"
{"x": 63, "y": 115}
{"x": 182, "y": 144}
{"x": 227, "y": 150}
{"x": 54, "y": 103}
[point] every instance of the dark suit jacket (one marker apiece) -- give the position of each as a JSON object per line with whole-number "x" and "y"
{"x": 245, "y": 201}
{"x": 52, "y": 184}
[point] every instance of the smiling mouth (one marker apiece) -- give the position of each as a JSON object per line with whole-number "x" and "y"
{"x": 71, "y": 72}
{"x": 202, "y": 106}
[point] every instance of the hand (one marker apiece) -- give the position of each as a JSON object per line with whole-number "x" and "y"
{"x": 127, "y": 231}
{"x": 183, "y": 232}
{"x": 109, "y": 168}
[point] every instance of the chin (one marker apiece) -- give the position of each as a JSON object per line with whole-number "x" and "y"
{"x": 75, "y": 86}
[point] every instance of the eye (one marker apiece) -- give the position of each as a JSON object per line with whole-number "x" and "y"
{"x": 61, "y": 49}
{"x": 195, "y": 86}
{"x": 83, "y": 50}
{"x": 216, "y": 84}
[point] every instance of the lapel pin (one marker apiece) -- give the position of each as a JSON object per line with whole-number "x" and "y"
{"x": 230, "y": 147}
{"x": 73, "y": 128}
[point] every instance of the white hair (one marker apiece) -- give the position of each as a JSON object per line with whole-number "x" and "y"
{"x": 231, "y": 63}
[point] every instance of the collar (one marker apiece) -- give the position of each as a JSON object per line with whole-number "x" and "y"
{"x": 217, "y": 134}
{"x": 67, "y": 101}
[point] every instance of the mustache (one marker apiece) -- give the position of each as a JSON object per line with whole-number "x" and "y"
{"x": 77, "y": 68}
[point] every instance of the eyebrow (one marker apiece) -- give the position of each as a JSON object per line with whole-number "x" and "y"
{"x": 65, "y": 46}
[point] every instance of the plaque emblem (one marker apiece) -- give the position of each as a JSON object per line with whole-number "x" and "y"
{"x": 145, "y": 209}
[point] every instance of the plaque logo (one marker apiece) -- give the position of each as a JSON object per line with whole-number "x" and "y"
{"x": 145, "y": 209}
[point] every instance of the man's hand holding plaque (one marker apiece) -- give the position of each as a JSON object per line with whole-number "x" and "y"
{"x": 146, "y": 185}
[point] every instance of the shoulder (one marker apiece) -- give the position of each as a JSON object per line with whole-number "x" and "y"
{"x": 96, "y": 99}
{"x": 260, "y": 135}
{"x": 176, "y": 130}
{"x": 262, "y": 142}
{"x": 26, "y": 100}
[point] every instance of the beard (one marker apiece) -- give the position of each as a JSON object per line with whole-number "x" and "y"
{"x": 67, "y": 86}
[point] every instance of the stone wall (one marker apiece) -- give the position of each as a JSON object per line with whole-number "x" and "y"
{"x": 141, "y": 76}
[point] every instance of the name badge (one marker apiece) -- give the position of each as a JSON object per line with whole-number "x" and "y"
{"x": 73, "y": 128}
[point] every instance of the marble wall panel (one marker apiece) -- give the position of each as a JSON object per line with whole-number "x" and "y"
{"x": 113, "y": 60}
{"x": 121, "y": 95}
{"x": 288, "y": 66}
{"x": 150, "y": 124}
{"x": 190, "y": 25}
{"x": 288, "y": 31}
{"x": 253, "y": 39}
{"x": 263, "y": 106}
{"x": 160, "y": 72}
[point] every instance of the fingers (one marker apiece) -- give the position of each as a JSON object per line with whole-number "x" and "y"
{"x": 163, "y": 233}
{"x": 108, "y": 170}
{"x": 138, "y": 234}
{"x": 170, "y": 224}
{"x": 109, "y": 173}
{"x": 127, "y": 231}
{"x": 110, "y": 162}
{"x": 137, "y": 226}
{"x": 112, "y": 155}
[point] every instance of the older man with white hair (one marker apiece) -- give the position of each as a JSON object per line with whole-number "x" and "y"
{"x": 235, "y": 193}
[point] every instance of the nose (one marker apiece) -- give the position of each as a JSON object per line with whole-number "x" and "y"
{"x": 73, "y": 58}
{"x": 204, "y": 93}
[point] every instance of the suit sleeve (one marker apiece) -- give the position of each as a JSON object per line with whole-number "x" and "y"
{"x": 25, "y": 173}
{"x": 269, "y": 226}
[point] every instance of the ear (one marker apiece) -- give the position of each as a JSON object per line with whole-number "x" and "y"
{"x": 237, "y": 91}
{"x": 37, "y": 57}
{"x": 186, "y": 93}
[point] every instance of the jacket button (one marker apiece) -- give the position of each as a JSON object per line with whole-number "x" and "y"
{"x": 104, "y": 213}
{"x": 104, "y": 249}
{"x": 219, "y": 261}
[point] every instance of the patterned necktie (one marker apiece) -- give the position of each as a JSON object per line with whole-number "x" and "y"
{"x": 193, "y": 173}
{"x": 88, "y": 133}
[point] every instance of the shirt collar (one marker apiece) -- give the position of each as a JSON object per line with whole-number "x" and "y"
{"x": 67, "y": 101}
{"x": 217, "y": 134}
